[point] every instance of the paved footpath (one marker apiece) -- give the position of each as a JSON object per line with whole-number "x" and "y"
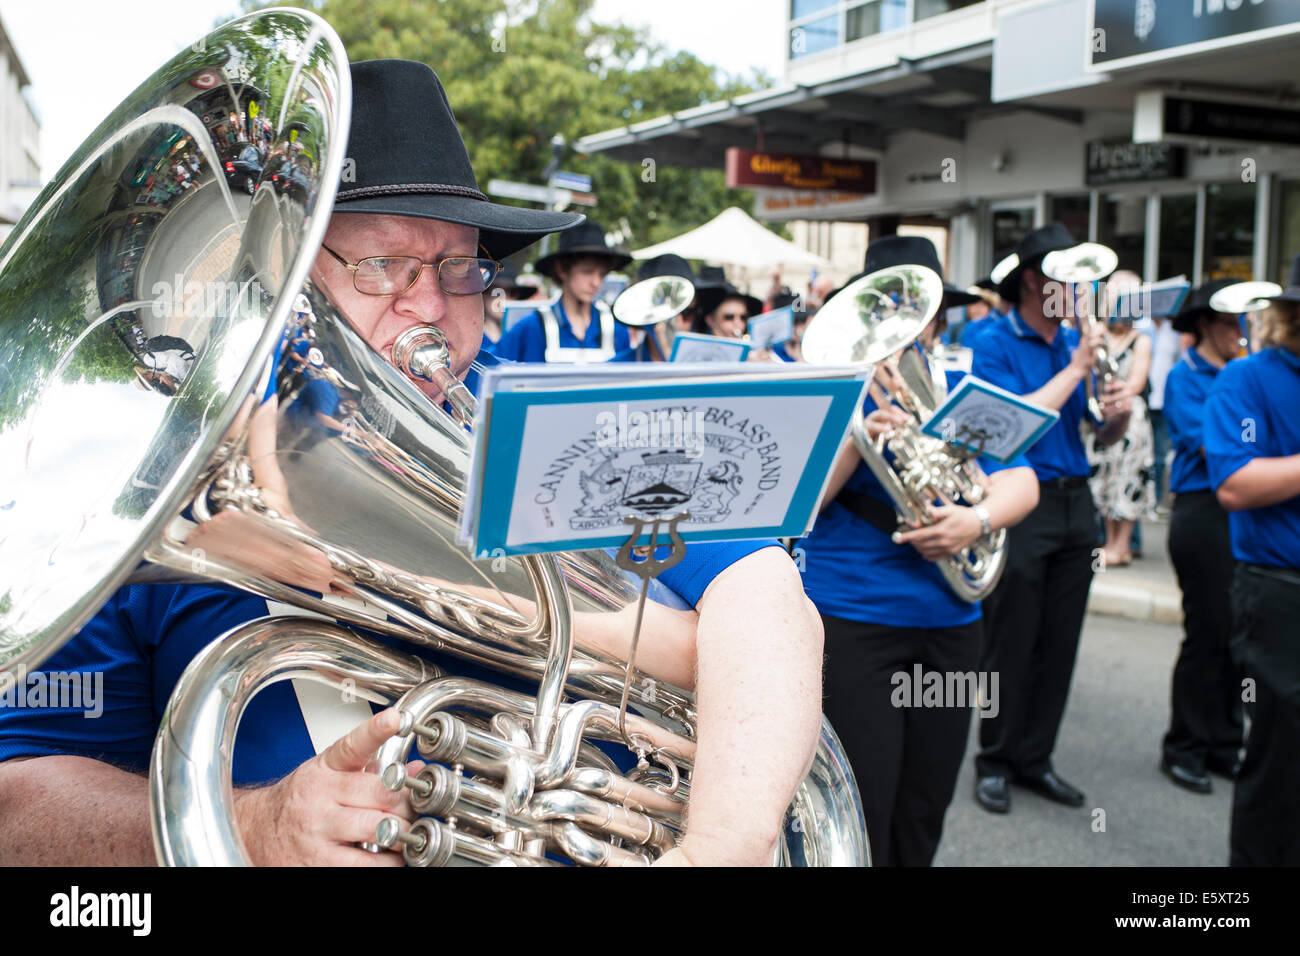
{"x": 1109, "y": 747}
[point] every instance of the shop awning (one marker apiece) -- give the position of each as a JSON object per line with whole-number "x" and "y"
{"x": 733, "y": 238}
{"x": 934, "y": 94}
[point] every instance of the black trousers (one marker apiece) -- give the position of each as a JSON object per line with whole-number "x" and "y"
{"x": 905, "y": 758}
{"x": 1031, "y": 634}
{"x": 1266, "y": 646}
{"x": 1205, "y": 698}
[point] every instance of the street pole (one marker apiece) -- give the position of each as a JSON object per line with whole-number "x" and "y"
{"x": 557, "y": 153}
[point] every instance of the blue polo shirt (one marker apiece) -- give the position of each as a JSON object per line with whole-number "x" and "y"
{"x": 145, "y": 636}
{"x": 526, "y": 340}
{"x": 639, "y": 353}
{"x": 318, "y": 396}
{"x": 1013, "y": 356}
{"x": 1251, "y": 413}
{"x": 1186, "y": 388}
{"x": 852, "y": 569}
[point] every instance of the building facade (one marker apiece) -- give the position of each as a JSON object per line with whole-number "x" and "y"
{"x": 1167, "y": 129}
{"x": 20, "y": 129}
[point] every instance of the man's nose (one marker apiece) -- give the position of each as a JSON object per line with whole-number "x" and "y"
{"x": 425, "y": 299}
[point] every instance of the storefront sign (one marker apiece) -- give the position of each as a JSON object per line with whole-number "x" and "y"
{"x": 747, "y": 167}
{"x": 1131, "y": 32}
{"x": 1161, "y": 116}
{"x": 1107, "y": 163}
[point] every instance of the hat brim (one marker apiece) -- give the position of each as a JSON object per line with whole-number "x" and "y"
{"x": 503, "y": 230}
{"x": 706, "y": 300}
{"x": 546, "y": 264}
{"x": 953, "y": 297}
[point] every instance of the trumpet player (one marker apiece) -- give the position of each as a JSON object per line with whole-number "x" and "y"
{"x": 404, "y": 249}
{"x": 887, "y": 610}
{"x": 1033, "y": 618}
{"x": 1252, "y": 448}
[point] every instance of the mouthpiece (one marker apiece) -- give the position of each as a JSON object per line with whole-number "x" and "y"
{"x": 421, "y": 353}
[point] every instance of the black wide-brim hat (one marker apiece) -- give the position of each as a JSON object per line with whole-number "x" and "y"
{"x": 588, "y": 239}
{"x": 708, "y": 299}
{"x": 408, "y": 159}
{"x": 668, "y": 264}
{"x": 1197, "y": 304}
{"x": 889, "y": 251}
{"x": 1035, "y": 244}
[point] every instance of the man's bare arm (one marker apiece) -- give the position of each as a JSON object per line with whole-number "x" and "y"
{"x": 73, "y": 811}
{"x": 759, "y": 705}
{"x": 1262, "y": 482}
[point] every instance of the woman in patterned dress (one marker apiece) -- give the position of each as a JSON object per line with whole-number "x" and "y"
{"x": 1123, "y": 474}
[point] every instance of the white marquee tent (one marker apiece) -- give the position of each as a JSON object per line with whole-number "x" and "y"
{"x": 732, "y": 237}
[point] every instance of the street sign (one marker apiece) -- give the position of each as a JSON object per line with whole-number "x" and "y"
{"x": 528, "y": 192}
{"x": 576, "y": 182}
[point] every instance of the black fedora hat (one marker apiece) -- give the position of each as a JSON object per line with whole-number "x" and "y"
{"x": 666, "y": 265}
{"x": 1197, "y": 304}
{"x": 1030, "y": 251}
{"x": 1292, "y": 291}
{"x": 712, "y": 296}
{"x": 409, "y": 160}
{"x": 888, "y": 251}
{"x": 587, "y": 239}
{"x": 712, "y": 277}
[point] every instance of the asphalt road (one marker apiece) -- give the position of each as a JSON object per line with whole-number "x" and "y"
{"x": 1109, "y": 747}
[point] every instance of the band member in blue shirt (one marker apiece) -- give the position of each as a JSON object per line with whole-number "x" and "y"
{"x": 656, "y": 343}
{"x": 1205, "y": 700}
{"x": 73, "y": 791}
{"x": 1033, "y": 618}
{"x": 578, "y": 327}
{"x": 1252, "y": 447}
{"x": 888, "y": 611}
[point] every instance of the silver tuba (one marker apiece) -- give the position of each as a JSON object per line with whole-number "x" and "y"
{"x": 877, "y": 320}
{"x": 160, "y": 334}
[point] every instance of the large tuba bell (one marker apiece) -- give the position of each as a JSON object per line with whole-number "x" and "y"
{"x": 179, "y": 402}
{"x": 876, "y": 321}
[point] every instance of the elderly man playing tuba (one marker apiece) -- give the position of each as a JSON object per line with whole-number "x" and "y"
{"x": 74, "y": 791}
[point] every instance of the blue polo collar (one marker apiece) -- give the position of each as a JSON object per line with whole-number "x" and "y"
{"x": 1289, "y": 357}
{"x": 1023, "y": 331}
{"x": 1199, "y": 364}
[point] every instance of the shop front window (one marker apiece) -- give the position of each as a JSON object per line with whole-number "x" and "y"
{"x": 1288, "y": 231}
{"x": 1229, "y": 231}
{"x": 1072, "y": 213}
{"x": 1177, "y": 255}
{"x": 1121, "y": 224}
{"x": 1009, "y": 227}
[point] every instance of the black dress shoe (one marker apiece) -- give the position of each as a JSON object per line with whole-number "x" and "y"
{"x": 1230, "y": 769}
{"x": 1053, "y": 788}
{"x": 1186, "y": 777}
{"x": 992, "y": 794}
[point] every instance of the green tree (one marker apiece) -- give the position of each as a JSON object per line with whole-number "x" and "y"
{"x": 519, "y": 73}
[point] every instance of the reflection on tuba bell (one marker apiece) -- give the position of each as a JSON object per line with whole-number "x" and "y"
{"x": 876, "y": 320}
{"x": 148, "y": 434}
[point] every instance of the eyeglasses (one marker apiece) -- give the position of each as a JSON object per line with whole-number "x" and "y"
{"x": 393, "y": 275}
{"x": 731, "y": 315}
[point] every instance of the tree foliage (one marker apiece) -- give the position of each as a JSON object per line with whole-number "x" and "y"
{"x": 519, "y": 73}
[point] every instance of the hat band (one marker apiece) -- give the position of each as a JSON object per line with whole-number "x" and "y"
{"x": 365, "y": 192}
